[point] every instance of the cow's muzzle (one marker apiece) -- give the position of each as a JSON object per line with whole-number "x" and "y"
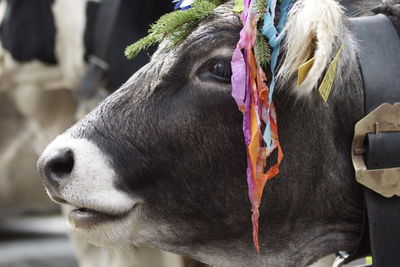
{"x": 77, "y": 173}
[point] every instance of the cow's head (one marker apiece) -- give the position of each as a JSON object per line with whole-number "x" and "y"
{"x": 162, "y": 161}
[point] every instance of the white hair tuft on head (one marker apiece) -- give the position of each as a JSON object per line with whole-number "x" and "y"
{"x": 312, "y": 29}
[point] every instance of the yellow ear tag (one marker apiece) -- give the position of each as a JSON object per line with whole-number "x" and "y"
{"x": 303, "y": 71}
{"x": 327, "y": 83}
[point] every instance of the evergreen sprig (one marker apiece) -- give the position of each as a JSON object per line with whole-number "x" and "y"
{"x": 174, "y": 26}
{"x": 261, "y": 7}
{"x": 262, "y": 51}
{"x": 177, "y": 25}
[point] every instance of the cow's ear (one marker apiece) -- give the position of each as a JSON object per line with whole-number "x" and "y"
{"x": 312, "y": 32}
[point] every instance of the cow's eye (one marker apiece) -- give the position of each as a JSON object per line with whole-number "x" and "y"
{"x": 221, "y": 70}
{"x": 216, "y": 70}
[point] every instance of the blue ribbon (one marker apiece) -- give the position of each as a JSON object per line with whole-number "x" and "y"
{"x": 274, "y": 36}
{"x": 178, "y": 4}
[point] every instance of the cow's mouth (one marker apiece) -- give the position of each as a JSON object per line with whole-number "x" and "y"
{"x": 86, "y": 214}
{"x": 85, "y": 217}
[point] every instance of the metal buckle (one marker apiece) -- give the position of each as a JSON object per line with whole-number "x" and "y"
{"x": 386, "y": 118}
{"x": 341, "y": 257}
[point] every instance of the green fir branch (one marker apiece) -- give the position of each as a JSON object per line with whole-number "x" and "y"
{"x": 174, "y": 26}
{"x": 216, "y": 2}
{"x": 262, "y": 51}
{"x": 182, "y": 32}
{"x": 261, "y": 7}
{"x": 143, "y": 44}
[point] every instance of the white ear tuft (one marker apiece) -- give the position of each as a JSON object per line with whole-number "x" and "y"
{"x": 313, "y": 28}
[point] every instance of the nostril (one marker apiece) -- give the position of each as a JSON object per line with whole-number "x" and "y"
{"x": 60, "y": 168}
{"x": 60, "y": 165}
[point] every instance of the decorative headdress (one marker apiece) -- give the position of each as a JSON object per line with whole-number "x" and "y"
{"x": 259, "y": 45}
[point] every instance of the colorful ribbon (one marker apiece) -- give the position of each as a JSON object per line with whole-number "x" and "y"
{"x": 255, "y": 99}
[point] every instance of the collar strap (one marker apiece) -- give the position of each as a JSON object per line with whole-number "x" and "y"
{"x": 379, "y": 57}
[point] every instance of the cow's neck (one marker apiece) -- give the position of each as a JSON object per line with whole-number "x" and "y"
{"x": 309, "y": 248}
{"x": 285, "y": 245}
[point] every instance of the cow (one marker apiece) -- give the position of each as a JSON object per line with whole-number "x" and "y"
{"x": 162, "y": 162}
{"x": 43, "y": 55}
{"x": 43, "y": 52}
